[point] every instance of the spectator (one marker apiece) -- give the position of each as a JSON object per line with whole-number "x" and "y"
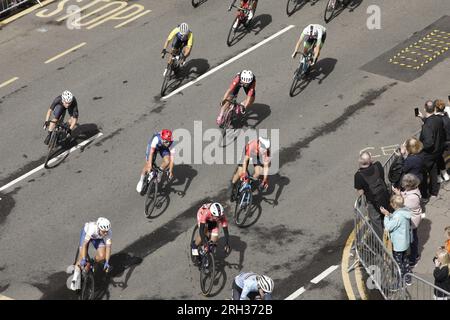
{"x": 441, "y": 274}
{"x": 398, "y": 225}
{"x": 433, "y": 139}
{"x": 447, "y": 242}
{"x": 369, "y": 181}
{"x": 411, "y": 151}
{"x": 411, "y": 196}
{"x": 440, "y": 111}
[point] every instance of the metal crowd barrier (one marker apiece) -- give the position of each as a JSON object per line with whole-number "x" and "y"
{"x": 384, "y": 272}
{"x": 8, "y": 5}
{"x": 421, "y": 289}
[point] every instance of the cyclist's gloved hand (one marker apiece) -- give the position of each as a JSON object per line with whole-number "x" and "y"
{"x": 46, "y": 124}
{"x": 264, "y": 184}
{"x": 83, "y": 262}
{"x": 205, "y": 248}
{"x": 163, "y": 53}
{"x": 244, "y": 176}
{"x": 106, "y": 266}
{"x": 69, "y": 132}
{"x": 294, "y": 55}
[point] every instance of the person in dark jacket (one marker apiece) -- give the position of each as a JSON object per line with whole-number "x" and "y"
{"x": 439, "y": 106}
{"x": 369, "y": 181}
{"x": 411, "y": 151}
{"x": 433, "y": 138}
{"x": 441, "y": 274}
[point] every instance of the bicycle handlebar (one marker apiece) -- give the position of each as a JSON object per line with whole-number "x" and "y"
{"x": 234, "y": 102}
{"x": 237, "y": 7}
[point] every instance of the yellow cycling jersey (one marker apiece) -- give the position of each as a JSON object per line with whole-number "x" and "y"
{"x": 175, "y": 31}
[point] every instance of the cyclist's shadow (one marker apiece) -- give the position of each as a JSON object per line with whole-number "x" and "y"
{"x": 193, "y": 69}
{"x": 221, "y": 277}
{"x": 300, "y": 4}
{"x": 320, "y": 71}
{"x": 120, "y": 263}
{"x": 258, "y": 198}
{"x": 183, "y": 176}
{"x": 79, "y": 134}
{"x": 256, "y": 114}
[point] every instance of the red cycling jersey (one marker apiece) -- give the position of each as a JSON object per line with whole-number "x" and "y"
{"x": 252, "y": 150}
{"x": 204, "y": 215}
{"x": 236, "y": 86}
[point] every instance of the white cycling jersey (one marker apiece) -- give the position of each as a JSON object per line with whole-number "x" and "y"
{"x": 92, "y": 232}
{"x": 316, "y": 28}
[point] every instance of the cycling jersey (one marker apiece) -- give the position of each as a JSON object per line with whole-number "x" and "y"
{"x": 236, "y": 85}
{"x": 247, "y": 282}
{"x": 156, "y": 144}
{"x": 252, "y": 150}
{"x": 59, "y": 110}
{"x": 321, "y": 33}
{"x": 90, "y": 232}
{"x": 187, "y": 40}
{"x": 204, "y": 215}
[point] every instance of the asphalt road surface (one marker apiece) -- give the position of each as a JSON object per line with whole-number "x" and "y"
{"x": 116, "y": 76}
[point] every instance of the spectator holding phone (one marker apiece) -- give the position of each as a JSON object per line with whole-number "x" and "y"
{"x": 433, "y": 138}
{"x": 440, "y": 111}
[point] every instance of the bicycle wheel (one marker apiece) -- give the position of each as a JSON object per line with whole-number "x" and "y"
{"x": 242, "y": 209}
{"x": 226, "y": 125}
{"x": 150, "y": 200}
{"x": 166, "y": 80}
{"x": 207, "y": 273}
{"x": 194, "y": 234}
{"x": 329, "y": 10}
{"x": 291, "y": 6}
{"x": 51, "y": 147}
{"x": 232, "y": 31}
{"x": 295, "y": 82}
{"x": 87, "y": 286}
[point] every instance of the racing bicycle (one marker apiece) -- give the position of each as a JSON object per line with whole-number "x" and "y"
{"x": 303, "y": 68}
{"x": 172, "y": 67}
{"x": 232, "y": 116}
{"x": 57, "y": 137}
{"x": 152, "y": 180}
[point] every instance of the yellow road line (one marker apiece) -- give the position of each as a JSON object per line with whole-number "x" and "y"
{"x": 24, "y": 12}
{"x": 344, "y": 266}
{"x": 65, "y": 52}
{"x": 4, "y": 84}
{"x": 360, "y": 284}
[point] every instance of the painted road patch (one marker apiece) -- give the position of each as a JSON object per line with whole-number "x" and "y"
{"x": 415, "y": 56}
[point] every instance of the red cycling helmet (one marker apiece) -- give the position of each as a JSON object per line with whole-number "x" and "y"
{"x": 166, "y": 135}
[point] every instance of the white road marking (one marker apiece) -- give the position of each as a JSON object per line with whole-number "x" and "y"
{"x": 85, "y": 142}
{"x": 65, "y": 52}
{"x": 316, "y": 280}
{"x": 4, "y": 84}
{"x": 296, "y": 294}
{"x": 228, "y": 62}
{"x": 324, "y": 274}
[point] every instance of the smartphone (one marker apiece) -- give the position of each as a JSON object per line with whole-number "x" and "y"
{"x": 416, "y": 112}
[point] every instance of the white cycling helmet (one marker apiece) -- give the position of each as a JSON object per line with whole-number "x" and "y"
{"x": 184, "y": 28}
{"x": 265, "y": 283}
{"x": 67, "y": 96}
{"x": 246, "y": 76}
{"x": 265, "y": 143}
{"x": 103, "y": 224}
{"x": 216, "y": 209}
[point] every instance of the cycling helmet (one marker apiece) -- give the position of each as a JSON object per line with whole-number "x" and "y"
{"x": 265, "y": 283}
{"x": 246, "y": 76}
{"x": 265, "y": 143}
{"x": 216, "y": 209}
{"x": 103, "y": 224}
{"x": 67, "y": 96}
{"x": 184, "y": 29}
{"x": 166, "y": 135}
